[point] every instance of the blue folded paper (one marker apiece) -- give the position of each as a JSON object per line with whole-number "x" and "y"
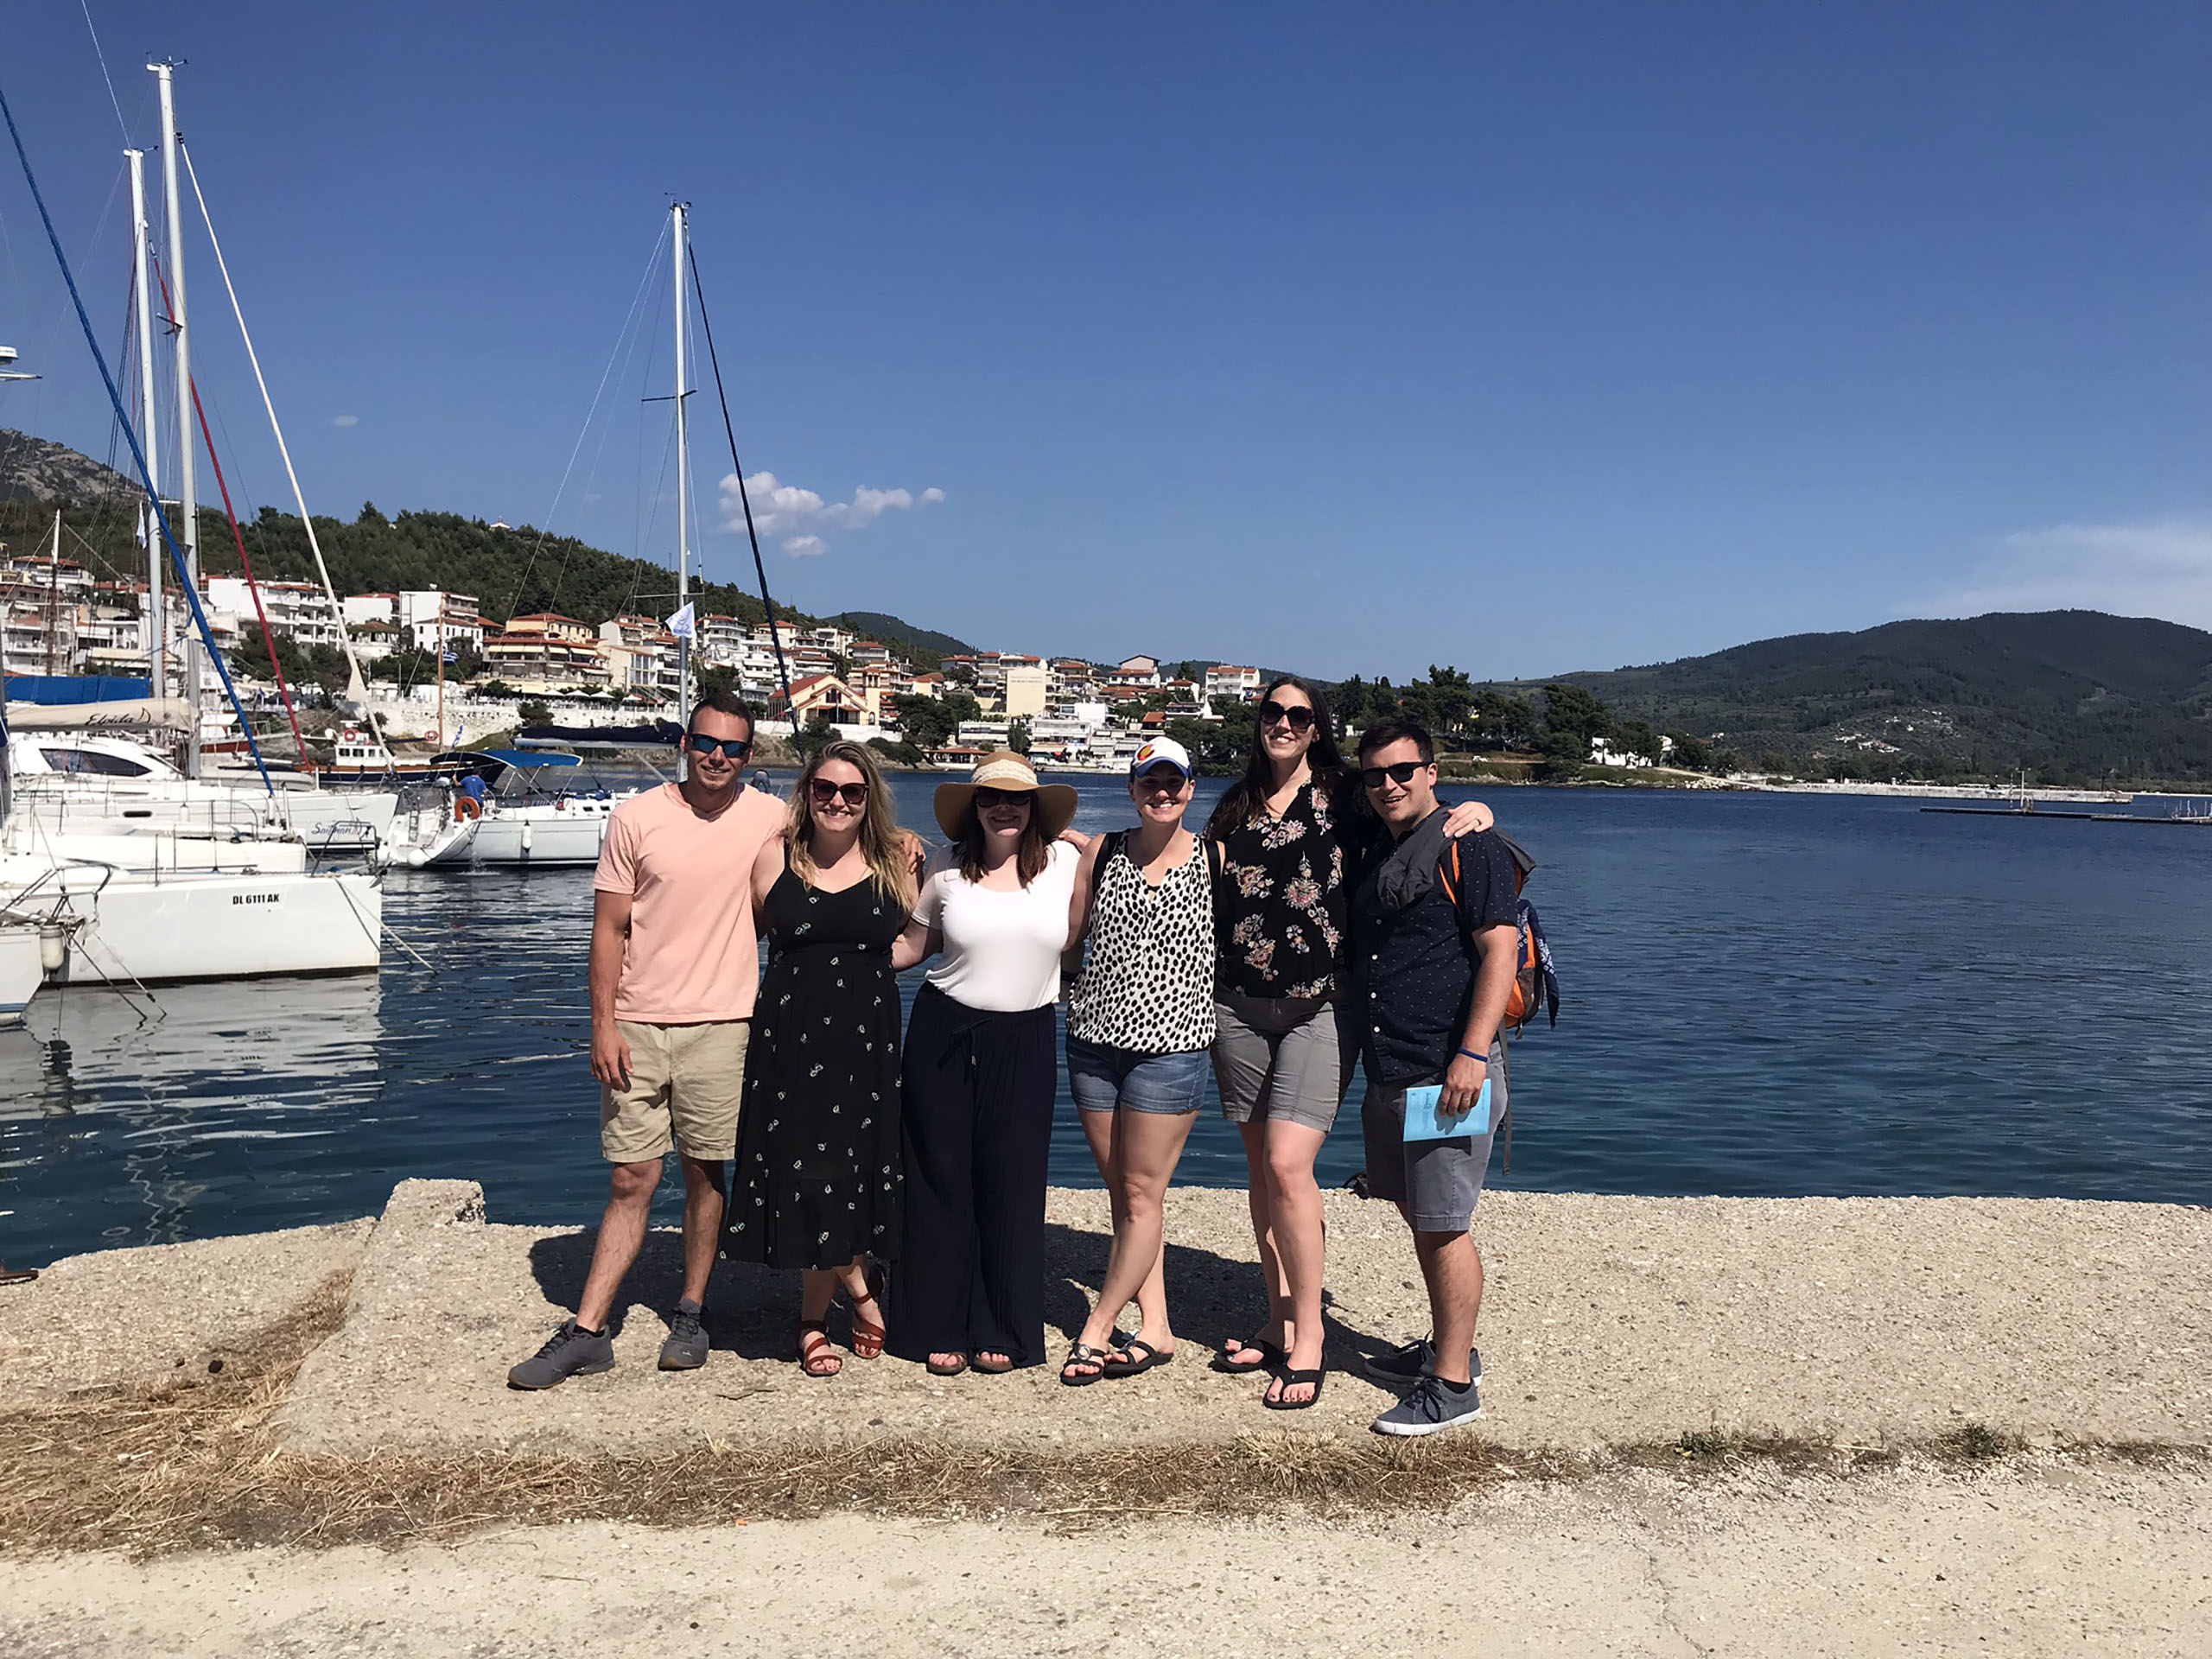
{"x": 1424, "y": 1123}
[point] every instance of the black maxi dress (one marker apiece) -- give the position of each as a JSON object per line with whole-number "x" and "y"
{"x": 818, "y": 1180}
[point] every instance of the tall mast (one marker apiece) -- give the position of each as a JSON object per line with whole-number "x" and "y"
{"x": 187, "y": 485}
{"x": 679, "y": 211}
{"x": 154, "y": 620}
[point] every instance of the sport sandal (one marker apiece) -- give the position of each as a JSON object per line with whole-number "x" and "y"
{"x": 1081, "y": 1353}
{"x": 1135, "y": 1357}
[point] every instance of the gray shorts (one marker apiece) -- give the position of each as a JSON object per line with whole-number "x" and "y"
{"x": 1280, "y": 1060}
{"x": 1437, "y": 1181}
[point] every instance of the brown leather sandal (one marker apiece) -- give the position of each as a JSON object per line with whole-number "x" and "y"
{"x": 816, "y": 1356}
{"x": 867, "y": 1338}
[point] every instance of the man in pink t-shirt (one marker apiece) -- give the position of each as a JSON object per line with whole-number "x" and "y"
{"x": 674, "y": 966}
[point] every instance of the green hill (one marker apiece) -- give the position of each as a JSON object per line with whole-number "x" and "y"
{"x": 924, "y": 647}
{"x": 2072, "y": 697}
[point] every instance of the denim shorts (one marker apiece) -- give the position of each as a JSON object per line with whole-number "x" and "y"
{"x": 1102, "y": 1078}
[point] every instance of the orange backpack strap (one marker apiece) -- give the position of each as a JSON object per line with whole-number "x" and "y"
{"x": 1447, "y": 871}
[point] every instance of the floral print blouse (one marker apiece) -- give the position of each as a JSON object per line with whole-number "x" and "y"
{"x": 1279, "y": 900}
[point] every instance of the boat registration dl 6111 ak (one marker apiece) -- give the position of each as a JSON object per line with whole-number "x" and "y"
{"x": 256, "y": 898}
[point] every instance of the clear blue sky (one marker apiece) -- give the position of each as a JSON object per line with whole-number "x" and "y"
{"x": 1522, "y": 338}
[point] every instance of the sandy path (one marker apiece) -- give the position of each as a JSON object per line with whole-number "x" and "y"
{"x": 2113, "y": 1560}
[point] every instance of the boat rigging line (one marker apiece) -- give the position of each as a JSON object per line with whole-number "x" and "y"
{"x": 267, "y": 633}
{"x": 759, "y": 569}
{"x": 356, "y": 685}
{"x": 137, "y": 452}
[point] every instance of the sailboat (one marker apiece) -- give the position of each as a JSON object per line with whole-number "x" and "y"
{"x": 518, "y": 822}
{"x": 132, "y": 899}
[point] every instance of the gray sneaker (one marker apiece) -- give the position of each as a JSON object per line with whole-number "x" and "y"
{"x": 567, "y": 1352}
{"x": 1432, "y": 1406}
{"x": 686, "y": 1347}
{"x": 1402, "y": 1367}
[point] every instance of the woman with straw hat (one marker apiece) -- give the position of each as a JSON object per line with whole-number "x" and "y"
{"x": 980, "y": 1073}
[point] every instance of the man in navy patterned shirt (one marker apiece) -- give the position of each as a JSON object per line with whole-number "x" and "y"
{"x": 1432, "y": 957}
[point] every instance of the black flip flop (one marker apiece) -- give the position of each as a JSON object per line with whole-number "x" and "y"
{"x": 1121, "y": 1363}
{"x": 936, "y": 1369}
{"x": 1291, "y": 1379}
{"x": 1268, "y": 1352}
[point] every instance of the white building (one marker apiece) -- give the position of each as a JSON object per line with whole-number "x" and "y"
{"x": 1226, "y": 680}
{"x": 1023, "y": 687}
{"x": 429, "y": 618}
{"x": 298, "y": 611}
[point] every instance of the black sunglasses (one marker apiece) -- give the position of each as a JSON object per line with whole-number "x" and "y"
{"x": 735, "y": 748}
{"x": 986, "y": 797}
{"x": 1298, "y": 717}
{"x": 1403, "y": 772}
{"x": 824, "y": 792}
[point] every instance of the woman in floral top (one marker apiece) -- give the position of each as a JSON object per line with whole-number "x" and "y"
{"x": 1284, "y": 842}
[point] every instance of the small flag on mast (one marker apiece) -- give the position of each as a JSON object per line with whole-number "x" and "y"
{"x": 680, "y": 625}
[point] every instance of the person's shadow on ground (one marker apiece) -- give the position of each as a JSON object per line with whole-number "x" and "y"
{"x": 751, "y": 1310}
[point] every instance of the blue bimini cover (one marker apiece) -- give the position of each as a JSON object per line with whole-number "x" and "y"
{"x": 60, "y": 689}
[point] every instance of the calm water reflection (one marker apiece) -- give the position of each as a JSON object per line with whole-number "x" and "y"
{"x": 1766, "y": 995}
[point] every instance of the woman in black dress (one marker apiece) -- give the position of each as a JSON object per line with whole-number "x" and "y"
{"x": 817, "y": 1184}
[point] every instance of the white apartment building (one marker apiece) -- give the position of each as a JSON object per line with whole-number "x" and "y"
{"x": 370, "y": 607}
{"x": 1224, "y": 680}
{"x": 723, "y": 640}
{"x": 298, "y": 611}
{"x": 1023, "y": 687}
{"x": 429, "y": 618}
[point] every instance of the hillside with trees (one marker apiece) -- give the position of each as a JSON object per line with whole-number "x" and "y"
{"x": 2072, "y": 697}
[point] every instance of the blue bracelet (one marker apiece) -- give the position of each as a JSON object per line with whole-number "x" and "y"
{"x": 1471, "y": 1055}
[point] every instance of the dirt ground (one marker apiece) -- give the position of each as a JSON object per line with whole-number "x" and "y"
{"x": 2023, "y": 1561}
{"x": 1990, "y": 1423}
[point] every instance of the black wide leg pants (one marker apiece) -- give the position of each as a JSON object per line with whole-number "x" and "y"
{"x": 976, "y": 1108}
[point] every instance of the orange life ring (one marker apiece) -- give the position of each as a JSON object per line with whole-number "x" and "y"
{"x": 467, "y": 806}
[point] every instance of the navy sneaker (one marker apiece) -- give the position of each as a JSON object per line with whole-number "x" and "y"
{"x": 569, "y": 1351}
{"x": 1404, "y": 1366}
{"x": 1431, "y": 1408}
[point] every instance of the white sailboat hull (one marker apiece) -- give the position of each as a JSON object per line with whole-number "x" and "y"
{"x": 21, "y": 973}
{"x": 216, "y": 925}
{"x": 541, "y": 834}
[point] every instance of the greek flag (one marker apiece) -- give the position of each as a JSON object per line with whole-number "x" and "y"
{"x": 452, "y": 656}
{"x": 680, "y": 625}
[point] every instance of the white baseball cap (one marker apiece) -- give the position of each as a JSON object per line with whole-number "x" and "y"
{"x": 1161, "y": 751}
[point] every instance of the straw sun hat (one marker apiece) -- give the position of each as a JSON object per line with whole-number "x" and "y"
{"x": 1002, "y": 769}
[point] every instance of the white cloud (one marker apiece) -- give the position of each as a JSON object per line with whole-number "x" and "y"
{"x": 2158, "y": 568}
{"x": 801, "y": 515}
{"x": 347, "y": 420}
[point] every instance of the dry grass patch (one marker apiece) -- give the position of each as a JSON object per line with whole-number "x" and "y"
{"x": 196, "y": 1463}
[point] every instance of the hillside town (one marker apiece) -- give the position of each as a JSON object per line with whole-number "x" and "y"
{"x": 436, "y": 666}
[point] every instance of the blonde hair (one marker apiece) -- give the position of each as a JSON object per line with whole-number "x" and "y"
{"x": 880, "y": 843}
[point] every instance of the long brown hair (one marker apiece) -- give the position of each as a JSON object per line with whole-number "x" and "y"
{"x": 1029, "y": 859}
{"x": 880, "y": 841}
{"x": 1245, "y": 799}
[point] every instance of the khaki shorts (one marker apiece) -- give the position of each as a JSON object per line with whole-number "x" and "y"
{"x": 686, "y": 1083}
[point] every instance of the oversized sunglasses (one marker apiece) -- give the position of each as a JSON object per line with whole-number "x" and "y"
{"x": 1402, "y": 773}
{"x": 1297, "y": 716}
{"x": 824, "y": 792}
{"x": 987, "y": 797}
{"x": 734, "y": 748}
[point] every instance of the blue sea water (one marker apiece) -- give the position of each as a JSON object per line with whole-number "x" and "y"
{"x": 1766, "y": 995}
